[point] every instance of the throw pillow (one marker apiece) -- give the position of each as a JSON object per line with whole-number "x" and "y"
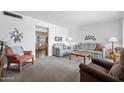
{"x": 17, "y": 50}
{"x": 98, "y": 47}
{"x": 76, "y": 47}
{"x": 79, "y": 46}
{"x": 65, "y": 47}
{"x": 117, "y": 71}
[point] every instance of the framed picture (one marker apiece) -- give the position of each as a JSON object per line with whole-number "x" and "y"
{"x": 58, "y": 39}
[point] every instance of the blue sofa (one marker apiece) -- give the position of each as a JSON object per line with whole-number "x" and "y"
{"x": 60, "y": 49}
{"x": 90, "y": 47}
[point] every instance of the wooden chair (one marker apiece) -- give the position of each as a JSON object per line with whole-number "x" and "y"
{"x": 18, "y": 59}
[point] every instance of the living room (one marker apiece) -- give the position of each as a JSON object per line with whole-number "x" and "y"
{"x": 61, "y": 46}
{"x": 65, "y": 36}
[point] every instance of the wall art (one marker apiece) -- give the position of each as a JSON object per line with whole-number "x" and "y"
{"x": 59, "y": 39}
{"x": 16, "y": 35}
{"x": 90, "y": 37}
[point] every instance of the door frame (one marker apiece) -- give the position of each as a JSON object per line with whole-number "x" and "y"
{"x": 47, "y": 38}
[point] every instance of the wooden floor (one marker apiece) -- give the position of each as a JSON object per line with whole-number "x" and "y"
{"x": 41, "y": 54}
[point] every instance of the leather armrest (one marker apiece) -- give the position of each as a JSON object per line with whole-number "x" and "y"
{"x": 103, "y": 63}
{"x": 27, "y": 52}
{"x": 98, "y": 74}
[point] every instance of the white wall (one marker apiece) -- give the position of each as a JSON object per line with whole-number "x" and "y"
{"x": 102, "y": 32}
{"x": 27, "y": 26}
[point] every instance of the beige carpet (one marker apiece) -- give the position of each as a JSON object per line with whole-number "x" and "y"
{"x": 48, "y": 69}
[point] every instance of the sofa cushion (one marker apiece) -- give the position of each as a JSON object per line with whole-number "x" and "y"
{"x": 88, "y": 46}
{"x": 91, "y": 46}
{"x": 117, "y": 71}
{"x": 78, "y": 46}
{"x": 65, "y": 47}
{"x": 97, "y": 67}
{"x": 84, "y": 46}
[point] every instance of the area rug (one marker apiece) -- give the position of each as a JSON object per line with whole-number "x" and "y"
{"x": 47, "y": 69}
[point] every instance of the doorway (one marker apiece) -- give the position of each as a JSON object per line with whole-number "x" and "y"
{"x": 41, "y": 46}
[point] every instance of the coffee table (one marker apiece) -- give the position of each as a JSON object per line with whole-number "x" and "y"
{"x": 83, "y": 54}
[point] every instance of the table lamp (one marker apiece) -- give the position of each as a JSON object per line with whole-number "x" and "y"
{"x": 113, "y": 40}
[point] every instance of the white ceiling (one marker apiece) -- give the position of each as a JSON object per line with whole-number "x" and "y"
{"x": 74, "y": 18}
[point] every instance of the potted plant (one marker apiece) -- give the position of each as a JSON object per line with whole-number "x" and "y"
{"x": 2, "y": 44}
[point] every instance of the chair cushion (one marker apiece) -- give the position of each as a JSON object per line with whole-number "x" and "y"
{"x": 117, "y": 71}
{"x": 17, "y": 50}
{"x": 97, "y": 67}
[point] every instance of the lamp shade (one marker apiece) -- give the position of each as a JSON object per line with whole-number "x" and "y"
{"x": 113, "y": 39}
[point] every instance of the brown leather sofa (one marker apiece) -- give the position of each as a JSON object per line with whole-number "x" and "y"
{"x": 102, "y": 70}
{"x": 18, "y": 59}
{"x": 97, "y": 71}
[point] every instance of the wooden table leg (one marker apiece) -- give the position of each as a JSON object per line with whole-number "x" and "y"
{"x": 20, "y": 67}
{"x": 70, "y": 56}
{"x": 89, "y": 57}
{"x": 32, "y": 60}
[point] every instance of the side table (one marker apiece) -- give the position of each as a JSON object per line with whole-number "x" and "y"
{"x": 115, "y": 56}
